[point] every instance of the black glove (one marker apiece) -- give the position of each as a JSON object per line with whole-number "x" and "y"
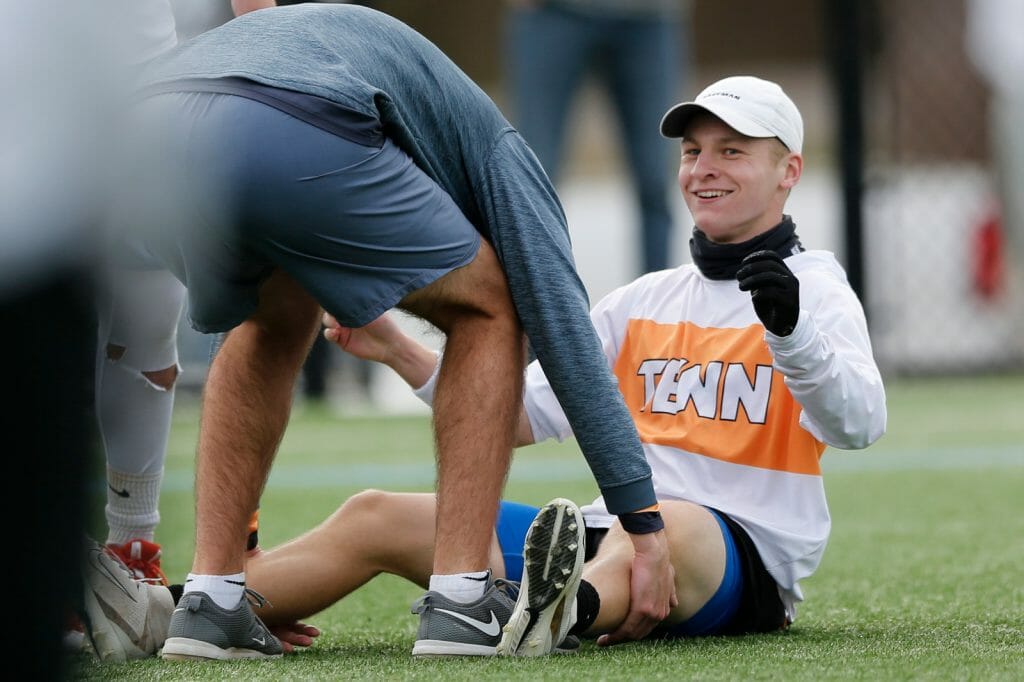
{"x": 774, "y": 289}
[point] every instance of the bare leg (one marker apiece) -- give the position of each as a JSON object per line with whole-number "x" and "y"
{"x": 697, "y": 552}
{"x": 479, "y": 391}
{"x": 245, "y": 409}
{"x": 374, "y": 532}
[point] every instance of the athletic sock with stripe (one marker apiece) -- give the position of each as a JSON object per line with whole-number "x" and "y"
{"x": 460, "y": 587}
{"x": 588, "y": 605}
{"x": 225, "y": 590}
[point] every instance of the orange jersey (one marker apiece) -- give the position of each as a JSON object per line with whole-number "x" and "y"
{"x": 734, "y": 417}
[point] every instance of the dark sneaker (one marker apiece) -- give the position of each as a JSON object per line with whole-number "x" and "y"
{"x": 124, "y": 618}
{"x": 450, "y": 628}
{"x": 569, "y": 645}
{"x": 202, "y": 630}
{"x": 552, "y": 566}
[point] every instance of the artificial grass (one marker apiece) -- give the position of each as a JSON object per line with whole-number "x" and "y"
{"x": 922, "y": 578}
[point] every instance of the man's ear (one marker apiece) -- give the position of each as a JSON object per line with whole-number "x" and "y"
{"x": 794, "y": 166}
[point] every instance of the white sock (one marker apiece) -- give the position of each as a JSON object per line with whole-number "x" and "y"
{"x": 133, "y": 505}
{"x": 225, "y": 590}
{"x": 460, "y": 587}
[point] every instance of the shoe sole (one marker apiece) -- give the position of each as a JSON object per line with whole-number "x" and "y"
{"x": 431, "y": 648}
{"x": 552, "y": 566}
{"x": 187, "y": 649}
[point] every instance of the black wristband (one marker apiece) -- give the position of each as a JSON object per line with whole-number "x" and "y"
{"x": 641, "y": 523}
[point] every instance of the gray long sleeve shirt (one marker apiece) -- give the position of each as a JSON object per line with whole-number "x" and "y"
{"x": 371, "y": 63}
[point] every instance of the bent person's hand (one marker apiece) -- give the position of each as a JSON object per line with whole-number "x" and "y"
{"x": 652, "y": 589}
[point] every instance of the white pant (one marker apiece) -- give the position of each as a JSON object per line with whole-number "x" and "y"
{"x": 139, "y": 312}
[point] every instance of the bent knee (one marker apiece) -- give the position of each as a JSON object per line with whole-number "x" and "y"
{"x": 486, "y": 283}
{"x": 163, "y": 378}
{"x": 367, "y": 503}
{"x": 159, "y": 379}
{"x": 377, "y": 524}
{"x": 478, "y": 289}
{"x": 376, "y": 508}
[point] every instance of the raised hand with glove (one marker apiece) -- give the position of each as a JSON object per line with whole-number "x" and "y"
{"x": 774, "y": 290}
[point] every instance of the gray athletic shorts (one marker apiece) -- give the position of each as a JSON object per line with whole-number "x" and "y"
{"x": 238, "y": 188}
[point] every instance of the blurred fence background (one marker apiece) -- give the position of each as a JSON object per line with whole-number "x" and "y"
{"x": 906, "y": 177}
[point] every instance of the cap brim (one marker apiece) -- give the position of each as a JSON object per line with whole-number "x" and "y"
{"x": 673, "y": 123}
{"x": 675, "y": 120}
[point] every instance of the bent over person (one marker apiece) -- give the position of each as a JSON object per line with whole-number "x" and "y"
{"x": 330, "y": 157}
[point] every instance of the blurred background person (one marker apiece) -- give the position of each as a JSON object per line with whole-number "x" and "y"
{"x": 997, "y": 52}
{"x": 136, "y": 361}
{"x": 639, "y": 52}
{"x": 61, "y": 71}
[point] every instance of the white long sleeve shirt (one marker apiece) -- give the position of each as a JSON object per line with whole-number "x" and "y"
{"x": 730, "y": 415}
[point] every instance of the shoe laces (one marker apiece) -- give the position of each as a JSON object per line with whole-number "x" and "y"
{"x": 115, "y": 556}
{"x": 145, "y": 572}
{"x": 509, "y": 587}
{"x": 257, "y": 599}
{"x": 142, "y": 568}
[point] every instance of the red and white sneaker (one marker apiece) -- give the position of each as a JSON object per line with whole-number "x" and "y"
{"x": 142, "y": 558}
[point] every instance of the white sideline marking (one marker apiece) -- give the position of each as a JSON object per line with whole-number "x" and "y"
{"x": 878, "y": 458}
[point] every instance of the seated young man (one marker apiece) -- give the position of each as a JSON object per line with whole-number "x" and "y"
{"x": 738, "y": 369}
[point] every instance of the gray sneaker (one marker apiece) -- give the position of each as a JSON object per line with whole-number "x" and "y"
{"x": 124, "y": 619}
{"x": 450, "y": 628}
{"x": 202, "y": 630}
{"x": 552, "y": 566}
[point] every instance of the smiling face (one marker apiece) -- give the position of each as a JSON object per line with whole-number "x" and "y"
{"x": 735, "y": 186}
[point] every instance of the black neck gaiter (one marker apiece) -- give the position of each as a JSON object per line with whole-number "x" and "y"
{"x": 722, "y": 261}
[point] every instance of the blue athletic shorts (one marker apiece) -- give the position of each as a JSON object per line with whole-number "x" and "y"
{"x": 359, "y": 227}
{"x": 713, "y": 617}
{"x": 514, "y": 520}
{"x": 746, "y": 600}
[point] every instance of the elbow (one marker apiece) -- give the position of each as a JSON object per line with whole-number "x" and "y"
{"x": 863, "y": 430}
{"x": 866, "y": 417}
{"x": 877, "y": 432}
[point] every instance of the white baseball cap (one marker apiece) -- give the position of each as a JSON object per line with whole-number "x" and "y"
{"x": 750, "y": 106}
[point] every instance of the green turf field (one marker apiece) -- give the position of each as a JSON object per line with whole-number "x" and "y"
{"x": 923, "y": 578}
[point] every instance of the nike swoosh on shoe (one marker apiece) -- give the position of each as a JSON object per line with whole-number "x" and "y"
{"x": 490, "y": 629}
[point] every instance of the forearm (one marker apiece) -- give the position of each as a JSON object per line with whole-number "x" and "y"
{"x": 412, "y": 361}
{"x": 836, "y": 382}
{"x": 383, "y": 341}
